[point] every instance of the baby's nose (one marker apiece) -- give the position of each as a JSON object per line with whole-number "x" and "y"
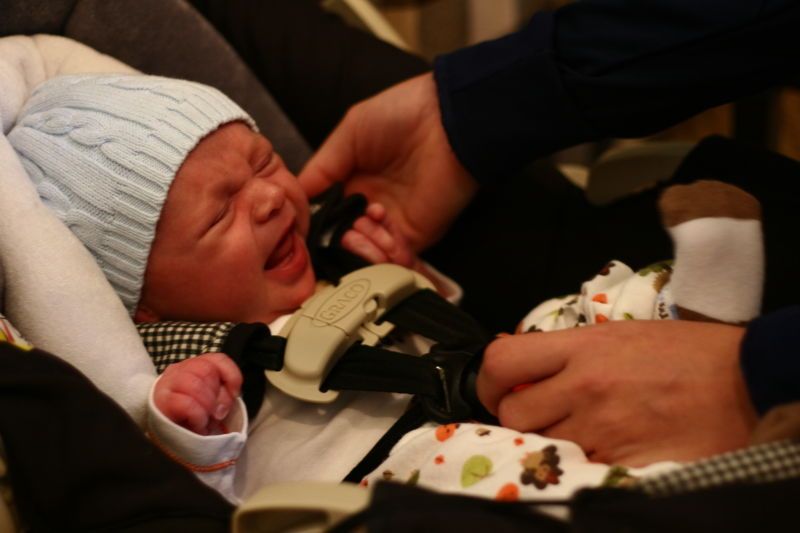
{"x": 267, "y": 198}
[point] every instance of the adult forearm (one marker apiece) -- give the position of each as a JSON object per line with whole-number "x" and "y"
{"x": 771, "y": 359}
{"x": 606, "y": 68}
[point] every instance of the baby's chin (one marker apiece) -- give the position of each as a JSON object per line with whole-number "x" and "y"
{"x": 291, "y": 302}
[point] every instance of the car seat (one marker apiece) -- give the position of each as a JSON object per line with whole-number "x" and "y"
{"x": 170, "y": 38}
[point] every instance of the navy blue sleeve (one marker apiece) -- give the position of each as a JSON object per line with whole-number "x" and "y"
{"x": 608, "y": 68}
{"x": 770, "y": 359}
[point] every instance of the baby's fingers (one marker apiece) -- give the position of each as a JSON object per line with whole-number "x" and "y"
{"x": 191, "y": 381}
{"x": 228, "y": 372}
{"x": 377, "y": 233}
{"x": 357, "y": 243}
{"x": 376, "y": 211}
{"x": 186, "y": 412}
{"x": 224, "y": 404}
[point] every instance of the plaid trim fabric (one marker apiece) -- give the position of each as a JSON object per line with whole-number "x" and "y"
{"x": 173, "y": 342}
{"x": 764, "y": 463}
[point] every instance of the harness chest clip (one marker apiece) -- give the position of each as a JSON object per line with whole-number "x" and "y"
{"x": 336, "y": 318}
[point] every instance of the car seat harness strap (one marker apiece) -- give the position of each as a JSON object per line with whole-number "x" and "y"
{"x": 333, "y": 344}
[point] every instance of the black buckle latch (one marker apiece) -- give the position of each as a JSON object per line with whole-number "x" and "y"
{"x": 457, "y": 370}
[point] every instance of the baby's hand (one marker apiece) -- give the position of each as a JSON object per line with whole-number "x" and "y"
{"x": 376, "y": 240}
{"x": 198, "y": 393}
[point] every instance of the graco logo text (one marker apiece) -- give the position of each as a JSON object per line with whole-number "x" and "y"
{"x": 344, "y": 300}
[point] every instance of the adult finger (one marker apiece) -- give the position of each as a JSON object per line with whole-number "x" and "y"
{"x": 334, "y": 161}
{"x": 516, "y": 359}
{"x": 570, "y": 428}
{"x": 542, "y": 405}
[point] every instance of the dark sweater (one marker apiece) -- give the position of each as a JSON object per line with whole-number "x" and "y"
{"x": 615, "y": 68}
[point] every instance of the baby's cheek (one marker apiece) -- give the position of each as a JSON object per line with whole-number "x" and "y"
{"x": 303, "y": 223}
{"x": 302, "y": 210}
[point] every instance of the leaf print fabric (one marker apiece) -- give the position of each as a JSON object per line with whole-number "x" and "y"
{"x": 494, "y": 462}
{"x": 475, "y": 469}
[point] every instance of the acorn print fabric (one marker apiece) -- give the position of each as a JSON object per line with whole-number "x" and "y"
{"x": 493, "y": 462}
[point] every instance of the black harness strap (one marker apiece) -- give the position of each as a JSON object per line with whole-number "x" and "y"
{"x": 430, "y": 315}
{"x": 368, "y": 368}
{"x": 377, "y": 369}
{"x": 411, "y": 420}
{"x": 443, "y": 379}
{"x": 254, "y": 350}
{"x": 333, "y": 214}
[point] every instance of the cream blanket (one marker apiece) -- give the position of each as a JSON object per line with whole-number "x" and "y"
{"x": 51, "y": 288}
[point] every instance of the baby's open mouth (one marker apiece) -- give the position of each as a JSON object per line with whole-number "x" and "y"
{"x": 282, "y": 252}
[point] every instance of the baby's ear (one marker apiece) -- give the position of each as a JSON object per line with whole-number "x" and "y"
{"x": 144, "y": 314}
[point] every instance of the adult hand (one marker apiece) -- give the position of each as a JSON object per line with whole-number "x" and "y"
{"x": 198, "y": 393}
{"x": 630, "y": 392}
{"x": 393, "y": 149}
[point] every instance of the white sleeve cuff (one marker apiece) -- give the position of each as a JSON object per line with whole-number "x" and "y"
{"x": 199, "y": 453}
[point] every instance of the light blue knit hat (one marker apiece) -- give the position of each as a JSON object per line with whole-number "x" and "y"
{"x": 103, "y": 151}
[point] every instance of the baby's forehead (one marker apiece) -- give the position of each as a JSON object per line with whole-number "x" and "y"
{"x": 219, "y": 165}
{"x": 226, "y": 153}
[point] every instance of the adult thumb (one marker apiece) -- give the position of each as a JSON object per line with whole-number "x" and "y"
{"x": 333, "y": 162}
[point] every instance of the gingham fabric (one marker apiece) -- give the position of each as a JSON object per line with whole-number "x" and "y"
{"x": 172, "y": 342}
{"x": 764, "y": 463}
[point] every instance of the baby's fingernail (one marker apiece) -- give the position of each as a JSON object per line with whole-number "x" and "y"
{"x": 221, "y": 412}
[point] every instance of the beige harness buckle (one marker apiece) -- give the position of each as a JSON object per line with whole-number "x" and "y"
{"x": 334, "y": 319}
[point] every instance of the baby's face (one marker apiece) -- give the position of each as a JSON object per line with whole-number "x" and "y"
{"x": 230, "y": 243}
